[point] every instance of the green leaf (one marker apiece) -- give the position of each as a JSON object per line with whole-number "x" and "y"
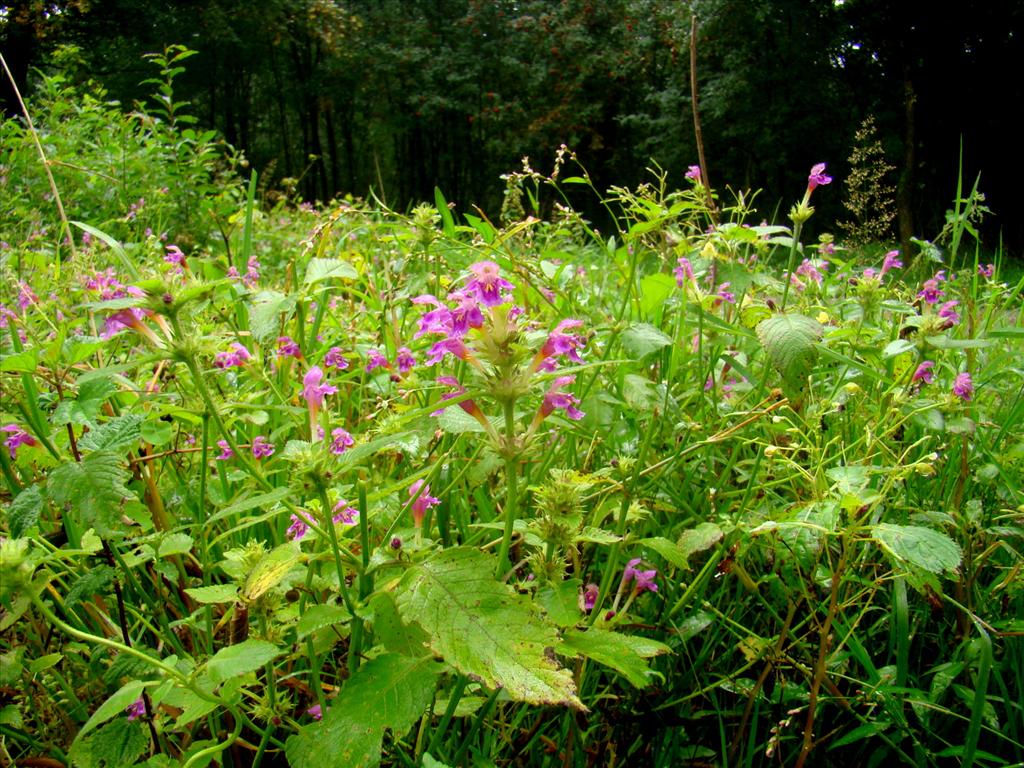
{"x": 192, "y": 705}
{"x": 24, "y": 511}
{"x": 702, "y": 537}
{"x": 93, "y": 582}
{"x": 641, "y": 394}
{"x": 270, "y": 570}
{"x": 118, "y": 743}
{"x": 655, "y": 290}
{"x": 218, "y": 593}
{"x": 94, "y": 488}
{"x": 446, "y": 214}
{"x": 669, "y": 550}
{"x": 625, "y": 654}
{"x": 791, "y": 344}
{"x": 561, "y": 601}
{"x": 319, "y": 616}
{"x": 115, "y": 705}
{"x": 921, "y": 547}
{"x": 390, "y": 692}
{"x": 482, "y": 627}
{"x": 456, "y": 421}
{"x": 393, "y": 633}
{"x": 237, "y": 660}
{"x": 116, "y": 247}
{"x": 116, "y": 435}
{"x": 84, "y": 409}
{"x": 252, "y": 502}
{"x": 326, "y": 269}
{"x": 157, "y": 432}
{"x": 642, "y": 339}
{"x": 265, "y": 312}
{"x": 23, "y": 362}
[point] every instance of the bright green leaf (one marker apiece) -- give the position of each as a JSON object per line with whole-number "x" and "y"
{"x": 921, "y": 547}
{"x": 94, "y": 489}
{"x": 642, "y": 339}
{"x": 625, "y": 654}
{"x": 118, "y": 434}
{"x": 237, "y": 660}
{"x": 791, "y": 344}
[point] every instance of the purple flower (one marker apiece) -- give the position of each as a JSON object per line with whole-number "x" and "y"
{"x": 313, "y": 390}
{"x": 286, "y": 347}
{"x": 422, "y": 501}
{"x": 315, "y": 712}
{"x": 261, "y": 447}
{"x": 891, "y": 261}
{"x": 452, "y": 345}
{"x": 6, "y": 315}
{"x": 299, "y": 526}
{"x": 18, "y": 437}
{"x": 924, "y": 372}
{"x": 345, "y": 514}
{"x": 724, "y": 295}
{"x": 560, "y": 343}
{"x": 175, "y": 256}
{"x": 644, "y": 579}
{"x": 487, "y": 284}
{"x": 590, "y": 594}
{"x": 334, "y": 359}
{"x": 26, "y": 296}
{"x": 930, "y": 291}
{"x": 817, "y": 177}
{"x": 136, "y": 709}
{"x": 465, "y": 314}
{"x": 405, "y": 361}
{"x": 375, "y": 360}
{"x": 948, "y": 313}
{"x": 963, "y": 387}
{"x": 555, "y": 398}
{"x": 684, "y": 271}
{"x": 987, "y": 271}
{"x": 237, "y": 357}
{"x": 341, "y": 441}
{"x": 693, "y": 173}
{"x": 808, "y": 269}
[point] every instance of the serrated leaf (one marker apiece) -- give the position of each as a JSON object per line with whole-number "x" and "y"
{"x": 482, "y": 627}
{"x": 642, "y": 339}
{"x": 92, "y": 582}
{"x": 703, "y": 536}
{"x": 791, "y": 344}
{"x": 669, "y": 550}
{"x": 265, "y": 312}
{"x": 626, "y": 654}
{"x": 921, "y": 547}
{"x": 24, "y": 511}
{"x": 237, "y": 660}
{"x": 390, "y": 692}
{"x": 319, "y": 616}
{"x": 23, "y": 362}
{"x": 84, "y": 409}
{"x": 270, "y": 570}
{"x": 327, "y": 269}
{"x": 116, "y": 435}
{"x": 456, "y": 421}
{"x": 560, "y": 601}
{"x": 217, "y": 593}
{"x": 119, "y": 742}
{"x": 192, "y": 705}
{"x": 94, "y": 488}
{"x": 175, "y": 544}
{"x": 392, "y": 632}
{"x": 641, "y": 394}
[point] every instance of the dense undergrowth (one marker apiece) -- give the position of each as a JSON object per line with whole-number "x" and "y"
{"x": 333, "y": 485}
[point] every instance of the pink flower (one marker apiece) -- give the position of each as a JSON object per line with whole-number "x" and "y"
{"x": 948, "y": 313}
{"x": 26, "y": 296}
{"x": 963, "y": 387}
{"x": 693, "y": 173}
{"x": 817, "y": 177}
{"x": 237, "y": 357}
{"x": 487, "y": 284}
{"x": 225, "y": 451}
{"x": 341, "y": 441}
{"x": 987, "y": 271}
{"x": 344, "y": 514}
{"x": 334, "y": 359}
{"x": 18, "y": 437}
{"x": 466, "y": 314}
{"x": 452, "y": 345}
{"x": 560, "y": 343}
{"x": 315, "y": 711}
{"x": 422, "y": 501}
{"x": 261, "y": 447}
{"x": 891, "y": 261}
{"x": 644, "y": 579}
{"x": 136, "y": 709}
{"x": 405, "y": 361}
{"x": 931, "y": 292}
{"x": 175, "y": 256}
{"x": 555, "y": 398}
{"x": 375, "y": 360}
{"x": 313, "y": 390}
{"x": 723, "y": 295}
{"x": 809, "y": 270}
{"x": 590, "y": 594}
{"x": 299, "y": 526}
{"x": 286, "y": 347}
{"x": 684, "y": 272}
{"x": 924, "y": 372}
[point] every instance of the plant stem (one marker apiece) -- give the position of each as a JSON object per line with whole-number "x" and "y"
{"x": 511, "y": 489}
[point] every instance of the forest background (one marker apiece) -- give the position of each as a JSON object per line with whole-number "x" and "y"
{"x": 395, "y": 97}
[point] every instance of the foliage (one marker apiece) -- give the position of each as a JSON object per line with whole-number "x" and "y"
{"x": 870, "y": 198}
{"x": 335, "y": 485}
